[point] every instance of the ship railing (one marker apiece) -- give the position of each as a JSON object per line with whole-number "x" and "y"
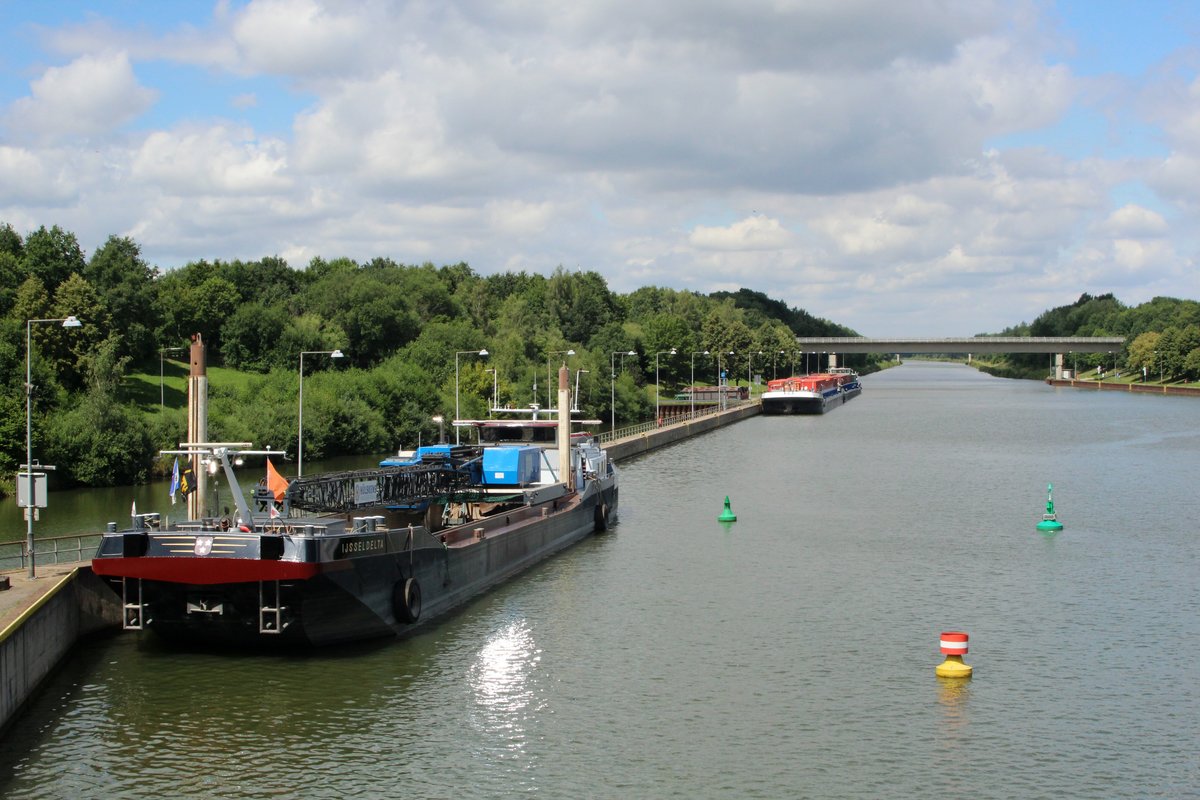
{"x": 49, "y": 550}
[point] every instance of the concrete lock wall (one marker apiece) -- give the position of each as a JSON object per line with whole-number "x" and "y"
{"x": 674, "y": 432}
{"x": 35, "y": 643}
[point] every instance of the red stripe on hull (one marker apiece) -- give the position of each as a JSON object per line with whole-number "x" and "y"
{"x": 204, "y": 571}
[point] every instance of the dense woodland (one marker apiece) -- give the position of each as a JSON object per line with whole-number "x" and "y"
{"x": 400, "y": 327}
{"x": 1162, "y": 338}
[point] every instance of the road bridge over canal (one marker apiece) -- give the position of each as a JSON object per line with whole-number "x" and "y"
{"x": 1058, "y": 346}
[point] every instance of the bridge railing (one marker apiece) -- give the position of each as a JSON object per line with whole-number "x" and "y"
{"x": 49, "y": 550}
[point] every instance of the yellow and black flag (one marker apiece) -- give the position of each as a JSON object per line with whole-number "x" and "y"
{"x": 187, "y": 481}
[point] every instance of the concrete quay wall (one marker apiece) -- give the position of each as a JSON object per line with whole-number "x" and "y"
{"x": 673, "y": 432}
{"x": 61, "y": 609}
{"x": 1140, "y": 388}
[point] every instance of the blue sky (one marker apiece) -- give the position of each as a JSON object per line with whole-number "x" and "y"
{"x": 932, "y": 168}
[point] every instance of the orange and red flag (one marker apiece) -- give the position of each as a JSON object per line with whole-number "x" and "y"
{"x": 276, "y": 482}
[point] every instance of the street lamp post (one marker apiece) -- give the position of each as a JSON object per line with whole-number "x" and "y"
{"x": 692, "y": 388}
{"x": 657, "y": 405}
{"x": 575, "y": 402}
{"x": 481, "y": 354}
{"x": 162, "y": 402}
{"x": 721, "y": 380}
{"x": 300, "y": 414}
{"x": 612, "y": 403}
{"x": 749, "y": 369}
{"x": 494, "y": 384}
{"x": 549, "y": 375}
{"x": 67, "y": 322}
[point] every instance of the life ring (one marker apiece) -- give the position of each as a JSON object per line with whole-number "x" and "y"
{"x": 601, "y": 516}
{"x": 406, "y": 600}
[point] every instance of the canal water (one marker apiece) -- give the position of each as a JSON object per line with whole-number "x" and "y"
{"x": 788, "y": 654}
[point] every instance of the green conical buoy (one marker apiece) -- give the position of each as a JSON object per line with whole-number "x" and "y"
{"x": 727, "y": 515}
{"x": 1049, "y": 519}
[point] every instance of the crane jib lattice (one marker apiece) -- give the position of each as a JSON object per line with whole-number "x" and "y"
{"x": 343, "y": 491}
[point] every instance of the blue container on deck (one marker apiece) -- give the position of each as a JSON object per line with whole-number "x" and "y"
{"x": 512, "y": 466}
{"x": 429, "y": 452}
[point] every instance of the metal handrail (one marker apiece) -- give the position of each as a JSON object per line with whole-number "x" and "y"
{"x": 646, "y": 427}
{"x": 49, "y": 550}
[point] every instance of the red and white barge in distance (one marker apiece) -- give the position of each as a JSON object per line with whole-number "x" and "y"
{"x": 811, "y": 394}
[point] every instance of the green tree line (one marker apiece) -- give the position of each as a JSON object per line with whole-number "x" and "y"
{"x": 1162, "y": 337}
{"x": 410, "y": 335}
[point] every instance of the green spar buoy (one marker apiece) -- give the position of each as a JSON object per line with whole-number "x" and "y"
{"x": 1049, "y": 519}
{"x": 727, "y": 515}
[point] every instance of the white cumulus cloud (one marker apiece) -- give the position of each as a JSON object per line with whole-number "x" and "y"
{"x": 94, "y": 94}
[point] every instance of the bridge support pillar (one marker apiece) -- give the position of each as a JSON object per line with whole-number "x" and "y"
{"x": 1058, "y": 366}
{"x": 832, "y": 360}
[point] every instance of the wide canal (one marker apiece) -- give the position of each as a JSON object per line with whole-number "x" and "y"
{"x": 789, "y": 654}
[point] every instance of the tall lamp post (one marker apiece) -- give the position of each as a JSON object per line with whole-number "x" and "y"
{"x": 67, "y": 322}
{"x": 721, "y": 380}
{"x": 612, "y": 403}
{"x": 549, "y": 376}
{"x": 481, "y": 354}
{"x": 494, "y": 384}
{"x": 657, "y": 405}
{"x": 749, "y": 370}
{"x": 162, "y": 397}
{"x": 300, "y": 414}
{"x": 692, "y": 387}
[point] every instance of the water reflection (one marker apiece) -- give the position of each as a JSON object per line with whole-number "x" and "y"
{"x": 502, "y": 683}
{"x": 953, "y": 696}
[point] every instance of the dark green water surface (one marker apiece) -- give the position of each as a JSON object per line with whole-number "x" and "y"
{"x": 790, "y": 654}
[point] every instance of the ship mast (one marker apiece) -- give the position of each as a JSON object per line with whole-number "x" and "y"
{"x": 564, "y": 427}
{"x": 197, "y": 424}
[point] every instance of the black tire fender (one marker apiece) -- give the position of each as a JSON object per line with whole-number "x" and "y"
{"x": 406, "y": 600}
{"x": 602, "y": 516}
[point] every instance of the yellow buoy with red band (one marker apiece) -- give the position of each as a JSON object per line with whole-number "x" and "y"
{"x": 954, "y": 646}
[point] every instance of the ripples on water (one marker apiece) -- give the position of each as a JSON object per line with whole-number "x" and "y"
{"x": 790, "y": 654}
